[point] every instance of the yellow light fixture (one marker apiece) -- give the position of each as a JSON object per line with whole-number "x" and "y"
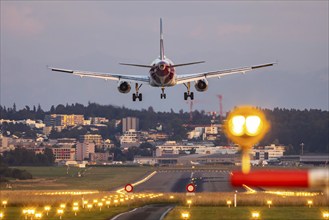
{"x": 246, "y": 126}
{"x": 185, "y": 215}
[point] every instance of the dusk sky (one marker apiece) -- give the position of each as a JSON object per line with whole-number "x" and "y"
{"x": 96, "y": 36}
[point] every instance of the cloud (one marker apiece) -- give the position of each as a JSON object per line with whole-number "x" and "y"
{"x": 19, "y": 20}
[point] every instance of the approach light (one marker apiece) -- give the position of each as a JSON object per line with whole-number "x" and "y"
{"x": 38, "y": 215}
{"x": 47, "y": 209}
{"x": 229, "y": 203}
{"x": 309, "y": 203}
{"x": 255, "y": 215}
{"x": 75, "y": 209}
{"x": 246, "y": 126}
{"x": 4, "y": 203}
{"x": 185, "y": 215}
{"x": 269, "y": 203}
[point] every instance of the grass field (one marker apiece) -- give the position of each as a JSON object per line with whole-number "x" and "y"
{"x": 241, "y": 213}
{"x": 92, "y": 178}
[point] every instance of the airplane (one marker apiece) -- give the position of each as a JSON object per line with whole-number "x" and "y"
{"x": 162, "y": 73}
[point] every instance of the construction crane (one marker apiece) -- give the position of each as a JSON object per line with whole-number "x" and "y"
{"x": 220, "y": 98}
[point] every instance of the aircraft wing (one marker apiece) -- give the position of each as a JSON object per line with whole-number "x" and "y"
{"x": 218, "y": 73}
{"x": 106, "y": 76}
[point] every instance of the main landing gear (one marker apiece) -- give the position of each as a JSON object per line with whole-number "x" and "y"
{"x": 188, "y": 93}
{"x": 137, "y": 95}
{"x": 163, "y": 95}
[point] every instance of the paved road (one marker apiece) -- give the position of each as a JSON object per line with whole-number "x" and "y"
{"x": 176, "y": 181}
{"x": 149, "y": 212}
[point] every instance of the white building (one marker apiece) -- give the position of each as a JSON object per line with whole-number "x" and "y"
{"x": 268, "y": 152}
{"x": 171, "y": 147}
{"x": 130, "y": 138}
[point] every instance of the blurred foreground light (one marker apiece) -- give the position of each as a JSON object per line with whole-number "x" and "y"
{"x": 255, "y": 215}
{"x": 325, "y": 215}
{"x": 1, "y": 215}
{"x": 246, "y": 126}
{"x": 185, "y": 215}
{"x": 282, "y": 178}
{"x": 171, "y": 197}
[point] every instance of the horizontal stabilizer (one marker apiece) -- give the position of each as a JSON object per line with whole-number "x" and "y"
{"x": 186, "y": 64}
{"x": 138, "y": 65}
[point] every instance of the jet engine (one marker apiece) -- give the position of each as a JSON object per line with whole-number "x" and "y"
{"x": 201, "y": 85}
{"x": 124, "y": 87}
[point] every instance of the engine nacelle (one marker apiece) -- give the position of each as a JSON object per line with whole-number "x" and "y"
{"x": 201, "y": 85}
{"x": 124, "y": 87}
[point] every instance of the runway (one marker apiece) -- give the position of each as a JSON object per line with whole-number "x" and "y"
{"x": 175, "y": 180}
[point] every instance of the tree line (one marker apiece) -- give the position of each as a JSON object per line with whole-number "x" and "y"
{"x": 289, "y": 127}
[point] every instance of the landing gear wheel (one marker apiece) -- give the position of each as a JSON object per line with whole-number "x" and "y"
{"x": 185, "y": 95}
{"x": 163, "y": 95}
{"x": 137, "y": 95}
{"x": 188, "y": 93}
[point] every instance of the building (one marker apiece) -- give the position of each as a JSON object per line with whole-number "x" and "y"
{"x": 101, "y": 158}
{"x": 193, "y": 159}
{"x": 60, "y": 120}
{"x": 91, "y": 138}
{"x": 98, "y": 120}
{"x": 268, "y": 152}
{"x": 130, "y": 123}
{"x": 63, "y": 153}
{"x": 172, "y": 148}
{"x": 130, "y": 138}
{"x": 5, "y": 144}
{"x": 83, "y": 150}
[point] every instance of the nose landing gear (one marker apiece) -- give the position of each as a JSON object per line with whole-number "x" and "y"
{"x": 137, "y": 95}
{"x": 188, "y": 93}
{"x": 163, "y": 95}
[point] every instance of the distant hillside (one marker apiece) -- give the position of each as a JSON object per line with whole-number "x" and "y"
{"x": 290, "y": 127}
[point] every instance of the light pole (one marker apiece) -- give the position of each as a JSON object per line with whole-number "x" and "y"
{"x": 235, "y": 194}
{"x": 302, "y": 145}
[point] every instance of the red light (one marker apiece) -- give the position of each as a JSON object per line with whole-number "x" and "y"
{"x": 129, "y": 188}
{"x": 190, "y": 187}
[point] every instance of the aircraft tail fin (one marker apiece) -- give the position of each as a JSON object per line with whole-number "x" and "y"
{"x": 161, "y": 42}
